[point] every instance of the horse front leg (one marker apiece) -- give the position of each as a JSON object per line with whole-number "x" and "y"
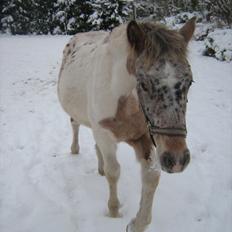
{"x": 150, "y": 179}
{"x": 112, "y": 173}
{"x": 110, "y": 168}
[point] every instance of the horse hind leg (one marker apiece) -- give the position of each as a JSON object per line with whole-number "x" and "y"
{"x": 100, "y": 161}
{"x": 75, "y": 142}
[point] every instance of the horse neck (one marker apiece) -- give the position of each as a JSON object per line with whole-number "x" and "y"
{"x": 122, "y": 82}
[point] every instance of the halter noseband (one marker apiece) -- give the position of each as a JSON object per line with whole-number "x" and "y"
{"x": 169, "y": 131}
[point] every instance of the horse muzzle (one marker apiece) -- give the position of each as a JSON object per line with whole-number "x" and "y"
{"x": 173, "y": 162}
{"x": 173, "y": 152}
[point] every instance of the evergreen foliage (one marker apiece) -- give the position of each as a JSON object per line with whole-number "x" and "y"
{"x": 72, "y": 16}
{"x": 60, "y": 16}
{"x": 221, "y": 9}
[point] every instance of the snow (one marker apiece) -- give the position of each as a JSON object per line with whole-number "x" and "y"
{"x": 178, "y": 20}
{"x": 202, "y": 30}
{"x": 220, "y": 42}
{"x": 45, "y": 188}
{"x": 70, "y": 22}
{"x": 60, "y": 14}
{"x": 94, "y": 18}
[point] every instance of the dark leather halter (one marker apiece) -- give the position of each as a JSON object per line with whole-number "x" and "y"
{"x": 162, "y": 131}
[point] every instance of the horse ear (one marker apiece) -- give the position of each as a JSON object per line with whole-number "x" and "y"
{"x": 135, "y": 36}
{"x": 188, "y": 29}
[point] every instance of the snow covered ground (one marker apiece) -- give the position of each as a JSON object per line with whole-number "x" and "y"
{"x": 44, "y": 189}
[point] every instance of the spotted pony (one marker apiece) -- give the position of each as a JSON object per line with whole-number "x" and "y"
{"x": 130, "y": 85}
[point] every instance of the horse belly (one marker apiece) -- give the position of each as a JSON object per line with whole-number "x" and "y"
{"x": 75, "y": 73}
{"x": 72, "y": 95}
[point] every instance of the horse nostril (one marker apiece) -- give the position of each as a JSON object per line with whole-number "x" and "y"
{"x": 167, "y": 160}
{"x": 186, "y": 158}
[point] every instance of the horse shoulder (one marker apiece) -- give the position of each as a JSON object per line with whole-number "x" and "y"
{"x": 128, "y": 124}
{"x": 111, "y": 79}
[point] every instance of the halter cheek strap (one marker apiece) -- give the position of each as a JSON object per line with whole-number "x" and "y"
{"x": 162, "y": 131}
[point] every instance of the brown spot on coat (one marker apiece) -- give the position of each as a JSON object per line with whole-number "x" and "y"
{"x": 129, "y": 122}
{"x": 142, "y": 146}
{"x": 129, "y": 125}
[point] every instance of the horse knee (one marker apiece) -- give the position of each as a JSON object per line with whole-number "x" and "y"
{"x": 150, "y": 178}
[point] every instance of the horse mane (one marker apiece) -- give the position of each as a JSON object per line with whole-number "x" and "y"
{"x": 162, "y": 42}
{"x": 159, "y": 42}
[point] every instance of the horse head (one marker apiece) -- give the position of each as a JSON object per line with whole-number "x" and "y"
{"x": 157, "y": 59}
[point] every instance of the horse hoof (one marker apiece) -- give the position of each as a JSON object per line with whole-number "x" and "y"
{"x": 134, "y": 227}
{"x": 114, "y": 215}
{"x": 131, "y": 227}
{"x": 75, "y": 150}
